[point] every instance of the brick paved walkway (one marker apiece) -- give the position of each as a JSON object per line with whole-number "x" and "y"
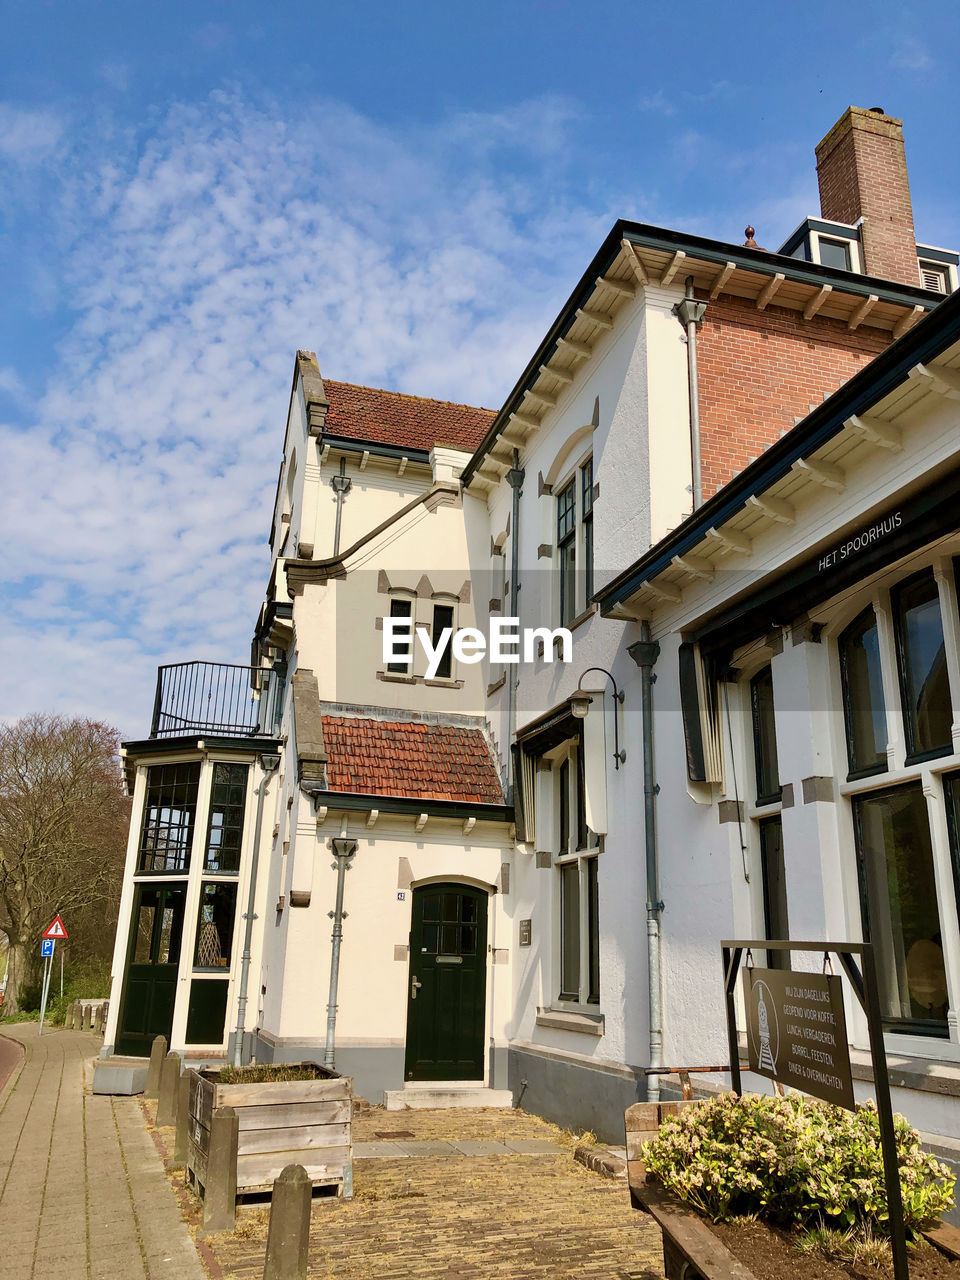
{"x": 504, "y": 1216}
{"x": 83, "y": 1194}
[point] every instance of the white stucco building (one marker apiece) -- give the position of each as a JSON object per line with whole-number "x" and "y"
{"x": 525, "y": 914}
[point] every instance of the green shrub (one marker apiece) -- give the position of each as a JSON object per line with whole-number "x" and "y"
{"x": 794, "y": 1161}
{"x": 87, "y": 979}
{"x": 269, "y": 1073}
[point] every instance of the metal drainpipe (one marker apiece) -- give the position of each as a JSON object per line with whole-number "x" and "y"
{"x": 343, "y": 850}
{"x": 690, "y": 314}
{"x": 249, "y": 917}
{"x": 645, "y": 653}
{"x": 341, "y": 487}
{"x": 515, "y": 478}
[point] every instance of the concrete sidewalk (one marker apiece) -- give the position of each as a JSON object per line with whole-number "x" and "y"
{"x": 83, "y": 1193}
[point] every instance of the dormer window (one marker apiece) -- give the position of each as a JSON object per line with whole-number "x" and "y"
{"x": 834, "y": 253}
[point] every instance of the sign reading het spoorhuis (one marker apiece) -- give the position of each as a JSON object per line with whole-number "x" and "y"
{"x": 797, "y": 1032}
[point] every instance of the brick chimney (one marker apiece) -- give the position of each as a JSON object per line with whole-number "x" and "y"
{"x": 862, "y": 171}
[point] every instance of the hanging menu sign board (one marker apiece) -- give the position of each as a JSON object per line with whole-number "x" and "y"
{"x": 797, "y": 1033}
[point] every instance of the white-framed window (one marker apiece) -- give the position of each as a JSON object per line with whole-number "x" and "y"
{"x": 899, "y": 678}
{"x": 402, "y": 608}
{"x": 434, "y": 615}
{"x": 574, "y": 542}
{"x": 835, "y": 251}
{"x": 577, "y": 885}
{"x": 443, "y": 618}
{"x": 765, "y": 828}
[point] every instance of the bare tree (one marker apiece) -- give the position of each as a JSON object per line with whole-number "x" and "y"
{"x": 63, "y": 826}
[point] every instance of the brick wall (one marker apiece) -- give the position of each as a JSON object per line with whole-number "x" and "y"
{"x": 759, "y": 370}
{"x": 862, "y": 172}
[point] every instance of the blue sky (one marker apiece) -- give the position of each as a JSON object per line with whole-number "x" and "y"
{"x": 188, "y": 193}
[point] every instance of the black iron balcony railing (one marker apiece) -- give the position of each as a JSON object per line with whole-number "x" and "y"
{"x": 216, "y": 697}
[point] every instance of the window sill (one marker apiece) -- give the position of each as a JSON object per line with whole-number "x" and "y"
{"x": 924, "y": 1074}
{"x": 444, "y": 684}
{"x": 772, "y": 809}
{"x": 392, "y": 677}
{"x": 497, "y": 684}
{"x": 581, "y": 618}
{"x": 588, "y": 1024}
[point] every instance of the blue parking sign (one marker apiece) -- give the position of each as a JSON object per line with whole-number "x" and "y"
{"x": 46, "y": 947}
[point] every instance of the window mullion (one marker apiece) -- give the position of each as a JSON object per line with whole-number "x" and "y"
{"x": 943, "y": 572}
{"x": 896, "y": 737}
{"x": 584, "y": 977}
{"x": 933, "y": 789}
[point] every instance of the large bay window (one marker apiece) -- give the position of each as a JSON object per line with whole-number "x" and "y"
{"x": 228, "y": 798}
{"x": 893, "y": 663}
{"x": 185, "y": 909}
{"x": 924, "y": 685}
{"x": 863, "y": 710}
{"x": 899, "y": 899}
{"x": 169, "y": 810}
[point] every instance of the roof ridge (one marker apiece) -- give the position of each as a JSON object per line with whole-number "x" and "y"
{"x": 406, "y": 395}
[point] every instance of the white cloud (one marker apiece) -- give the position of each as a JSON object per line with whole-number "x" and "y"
{"x": 27, "y": 136}
{"x": 139, "y": 480}
{"x": 911, "y": 54}
{"x": 658, "y": 102}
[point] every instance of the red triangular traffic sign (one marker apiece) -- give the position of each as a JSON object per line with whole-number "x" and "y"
{"x": 55, "y": 930}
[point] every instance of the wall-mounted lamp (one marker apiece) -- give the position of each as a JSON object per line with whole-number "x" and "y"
{"x": 580, "y": 705}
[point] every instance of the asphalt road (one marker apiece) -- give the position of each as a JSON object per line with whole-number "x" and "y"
{"x": 9, "y": 1057}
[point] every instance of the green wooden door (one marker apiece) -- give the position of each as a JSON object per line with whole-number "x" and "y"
{"x": 446, "y": 994}
{"x": 150, "y": 989}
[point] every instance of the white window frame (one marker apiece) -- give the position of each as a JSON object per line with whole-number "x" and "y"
{"x": 929, "y": 773}
{"x": 447, "y": 601}
{"x": 573, "y": 474}
{"x": 410, "y": 598}
{"x": 856, "y": 261}
{"x": 568, "y": 753}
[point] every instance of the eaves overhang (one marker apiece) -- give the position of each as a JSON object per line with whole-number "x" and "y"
{"x": 376, "y": 448}
{"x": 662, "y": 254}
{"x": 358, "y": 802}
{"x": 919, "y": 346}
{"x": 184, "y": 744}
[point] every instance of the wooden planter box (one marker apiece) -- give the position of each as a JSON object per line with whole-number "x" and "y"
{"x": 304, "y": 1122}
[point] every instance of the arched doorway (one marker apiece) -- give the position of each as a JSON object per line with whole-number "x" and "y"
{"x": 446, "y": 994}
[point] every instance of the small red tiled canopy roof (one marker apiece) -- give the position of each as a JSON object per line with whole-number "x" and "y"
{"x": 409, "y": 758}
{"x": 387, "y": 417}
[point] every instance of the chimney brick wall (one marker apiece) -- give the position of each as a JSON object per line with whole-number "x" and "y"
{"x": 862, "y": 172}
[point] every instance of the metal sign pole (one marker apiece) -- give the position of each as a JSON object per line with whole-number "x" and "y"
{"x": 888, "y": 1137}
{"x": 46, "y": 988}
{"x": 61, "y": 974}
{"x": 731, "y": 967}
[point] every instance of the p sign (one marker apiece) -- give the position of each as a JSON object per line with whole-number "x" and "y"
{"x": 46, "y": 947}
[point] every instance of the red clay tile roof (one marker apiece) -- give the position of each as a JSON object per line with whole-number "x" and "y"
{"x": 387, "y": 417}
{"x": 409, "y": 758}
